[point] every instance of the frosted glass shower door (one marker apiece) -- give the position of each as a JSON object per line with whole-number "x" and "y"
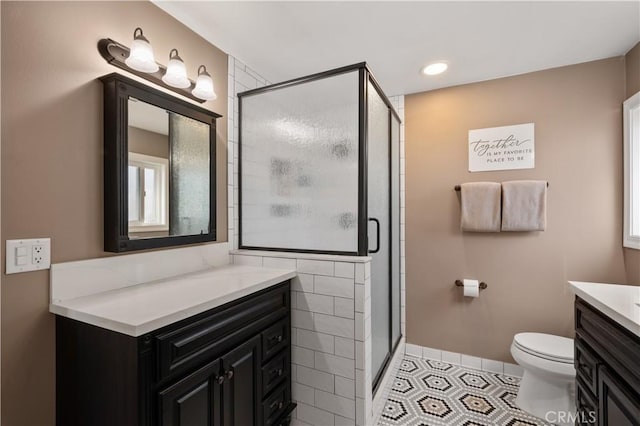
{"x": 379, "y": 225}
{"x": 299, "y": 166}
{"x": 395, "y": 233}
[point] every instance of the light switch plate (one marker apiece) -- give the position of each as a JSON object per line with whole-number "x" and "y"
{"x": 28, "y": 255}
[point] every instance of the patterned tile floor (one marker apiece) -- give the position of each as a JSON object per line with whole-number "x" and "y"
{"x": 434, "y": 393}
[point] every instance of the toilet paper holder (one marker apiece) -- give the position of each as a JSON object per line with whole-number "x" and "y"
{"x": 482, "y": 285}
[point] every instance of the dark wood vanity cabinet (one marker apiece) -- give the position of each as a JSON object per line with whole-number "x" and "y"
{"x": 194, "y": 400}
{"x": 607, "y": 361}
{"x": 229, "y": 366}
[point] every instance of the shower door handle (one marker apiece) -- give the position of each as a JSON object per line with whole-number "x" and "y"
{"x": 377, "y": 222}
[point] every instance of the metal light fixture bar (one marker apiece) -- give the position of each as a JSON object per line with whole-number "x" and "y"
{"x": 116, "y": 53}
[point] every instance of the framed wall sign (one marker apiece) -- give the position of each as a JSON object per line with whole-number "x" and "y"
{"x": 502, "y": 148}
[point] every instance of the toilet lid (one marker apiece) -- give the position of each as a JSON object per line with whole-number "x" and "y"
{"x": 548, "y": 346}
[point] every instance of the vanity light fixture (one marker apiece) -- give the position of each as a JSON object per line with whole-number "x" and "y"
{"x": 176, "y": 75}
{"x": 141, "y": 54}
{"x": 204, "y": 85}
{"x": 435, "y": 68}
{"x": 139, "y": 61}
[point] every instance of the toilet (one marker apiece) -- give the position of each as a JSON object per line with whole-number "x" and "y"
{"x": 548, "y": 383}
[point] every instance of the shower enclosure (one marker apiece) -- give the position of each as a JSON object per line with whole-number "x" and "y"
{"x": 319, "y": 172}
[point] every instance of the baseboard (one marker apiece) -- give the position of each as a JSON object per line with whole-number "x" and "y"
{"x": 464, "y": 360}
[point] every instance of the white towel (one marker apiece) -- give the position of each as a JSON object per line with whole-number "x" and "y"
{"x": 480, "y": 207}
{"x": 524, "y": 205}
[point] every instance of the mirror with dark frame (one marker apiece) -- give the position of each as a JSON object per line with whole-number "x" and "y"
{"x": 159, "y": 168}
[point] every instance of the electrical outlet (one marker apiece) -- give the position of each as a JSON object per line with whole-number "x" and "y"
{"x": 28, "y": 255}
{"x": 37, "y": 254}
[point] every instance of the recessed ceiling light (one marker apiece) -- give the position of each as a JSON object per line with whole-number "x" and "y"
{"x": 435, "y": 68}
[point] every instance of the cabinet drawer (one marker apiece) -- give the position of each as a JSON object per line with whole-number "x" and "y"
{"x": 275, "y": 338}
{"x": 205, "y": 337}
{"x": 586, "y": 404}
{"x": 615, "y": 345}
{"x": 274, "y": 406}
{"x": 586, "y": 363}
{"x": 275, "y": 371}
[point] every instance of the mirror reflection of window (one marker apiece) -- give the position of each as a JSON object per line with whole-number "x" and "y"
{"x": 169, "y": 173}
{"x": 134, "y": 194}
{"x": 148, "y": 193}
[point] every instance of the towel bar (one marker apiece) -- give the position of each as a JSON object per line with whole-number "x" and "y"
{"x": 457, "y": 187}
{"x": 483, "y": 285}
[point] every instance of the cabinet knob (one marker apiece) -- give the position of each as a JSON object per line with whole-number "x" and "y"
{"x": 220, "y": 380}
{"x": 583, "y": 366}
{"x": 276, "y": 339}
{"x": 229, "y": 374}
{"x": 277, "y": 405}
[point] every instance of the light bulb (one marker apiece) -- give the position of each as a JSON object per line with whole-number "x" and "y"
{"x": 204, "y": 85}
{"x": 176, "y": 75}
{"x": 141, "y": 54}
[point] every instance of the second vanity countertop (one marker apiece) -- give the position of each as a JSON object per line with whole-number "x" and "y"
{"x": 621, "y": 303}
{"x": 142, "y": 308}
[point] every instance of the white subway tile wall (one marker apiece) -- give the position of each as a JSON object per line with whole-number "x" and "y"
{"x": 344, "y": 347}
{"x": 472, "y": 362}
{"x": 331, "y": 372}
{"x": 513, "y": 370}
{"x": 492, "y": 366}
{"x": 344, "y": 270}
{"x": 345, "y": 387}
{"x": 451, "y": 357}
{"x": 364, "y": 370}
{"x": 430, "y": 353}
{"x": 317, "y": 267}
{"x": 279, "y": 263}
{"x": 464, "y": 360}
{"x": 414, "y": 350}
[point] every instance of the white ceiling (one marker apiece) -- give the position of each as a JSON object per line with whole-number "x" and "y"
{"x": 148, "y": 117}
{"x": 479, "y": 40}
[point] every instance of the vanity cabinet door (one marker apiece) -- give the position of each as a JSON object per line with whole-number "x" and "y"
{"x": 242, "y": 385}
{"x": 194, "y": 400}
{"x": 619, "y": 405}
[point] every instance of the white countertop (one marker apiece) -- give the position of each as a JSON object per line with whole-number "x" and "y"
{"x": 621, "y": 303}
{"x": 142, "y": 308}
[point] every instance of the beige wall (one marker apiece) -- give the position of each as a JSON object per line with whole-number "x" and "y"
{"x": 52, "y": 162}
{"x": 632, "y": 62}
{"x": 148, "y": 143}
{"x": 577, "y": 114}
